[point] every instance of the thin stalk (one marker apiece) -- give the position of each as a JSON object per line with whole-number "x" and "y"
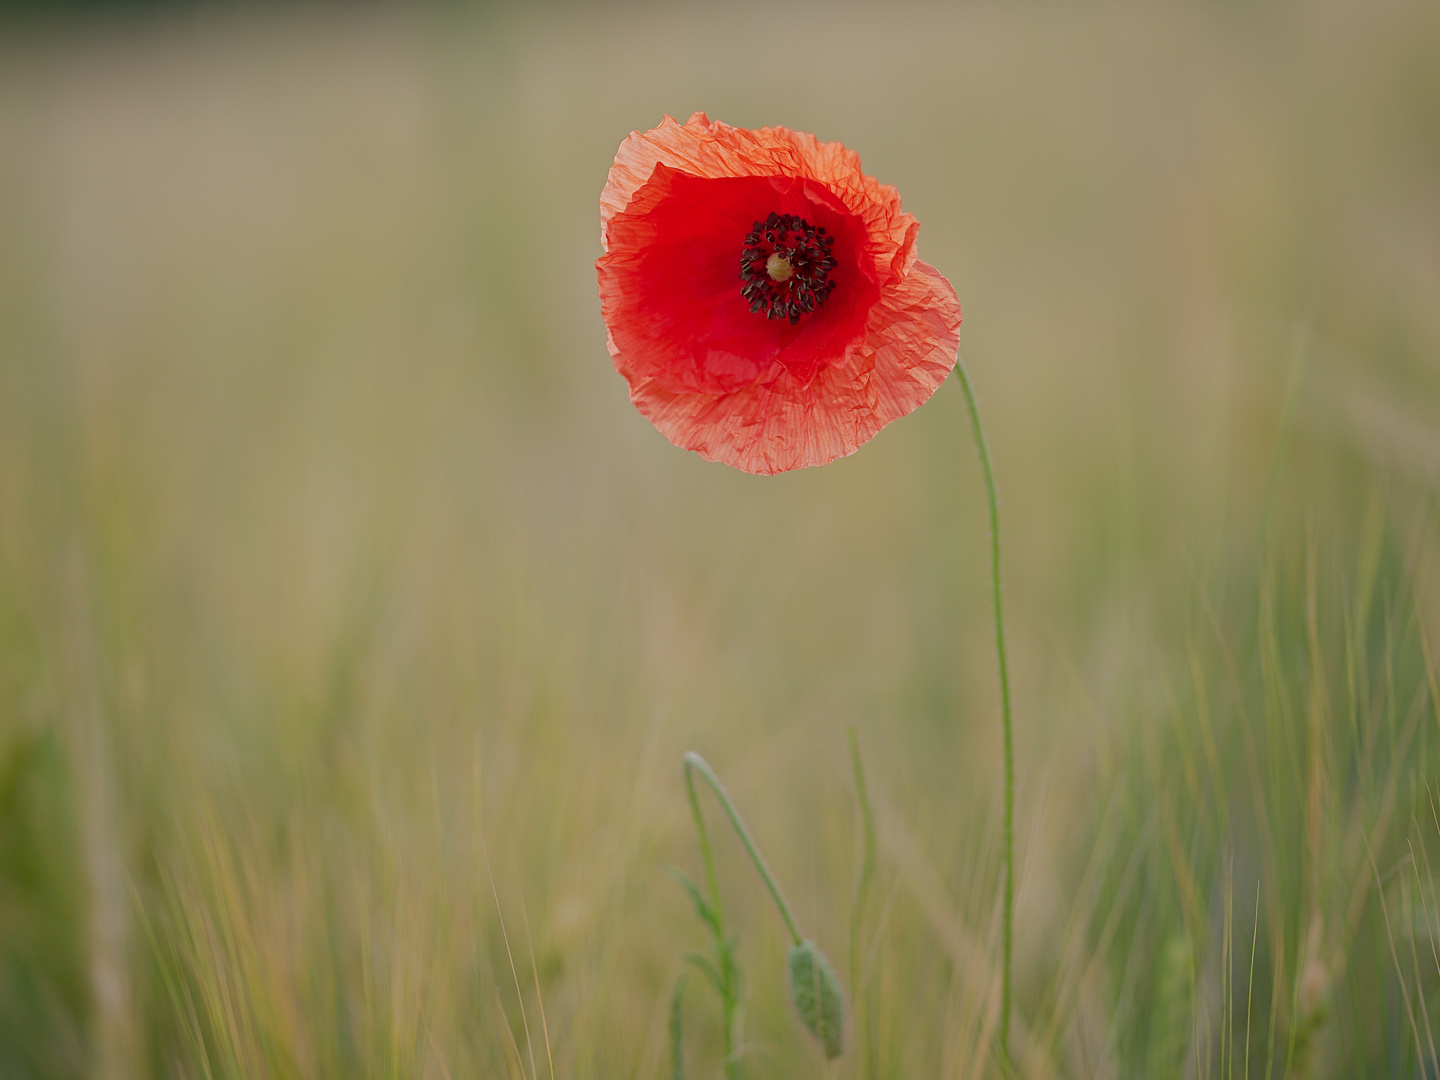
{"x": 695, "y": 763}
{"x": 857, "y": 911}
{"x": 712, "y": 880}
{"x": 982, "y": 448}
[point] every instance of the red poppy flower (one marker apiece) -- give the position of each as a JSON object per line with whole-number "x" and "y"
{"x": 762, "y": 294}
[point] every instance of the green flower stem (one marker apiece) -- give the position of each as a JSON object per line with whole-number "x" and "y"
{"x": 859, "y": 997}
{"x": 695, "y": 763}
{"x": 712, "y": 880}
{"x": 1009, "y": 831}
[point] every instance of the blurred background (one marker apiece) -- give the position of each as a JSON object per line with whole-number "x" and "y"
{"x": 353, "y": 624}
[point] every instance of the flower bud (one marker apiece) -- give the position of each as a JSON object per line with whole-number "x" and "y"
{"x": 815, "y": 990}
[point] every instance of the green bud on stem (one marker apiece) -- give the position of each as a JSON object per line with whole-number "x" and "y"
{"x": 815, "y": 990}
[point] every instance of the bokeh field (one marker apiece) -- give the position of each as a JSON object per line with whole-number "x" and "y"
{"x": 353, "y": 624}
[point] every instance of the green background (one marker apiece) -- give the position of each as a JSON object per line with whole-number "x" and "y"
{"x": 330, "y": 544}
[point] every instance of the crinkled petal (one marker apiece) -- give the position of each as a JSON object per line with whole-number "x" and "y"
{"x": 710, "y": 148}
{"x": 908, "y": 349}
{"x": 670, "y": 289}
{"x": 715, "y": 377}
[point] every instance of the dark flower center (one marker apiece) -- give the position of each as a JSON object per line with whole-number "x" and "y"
{"x": 786, "y": 267}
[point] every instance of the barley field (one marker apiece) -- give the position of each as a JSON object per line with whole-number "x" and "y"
{"x": 353, "y": 624}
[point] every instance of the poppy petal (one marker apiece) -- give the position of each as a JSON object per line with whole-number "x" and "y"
{"x": 705, "y": 147}
{"x": 732, "y": 361}
{"x": 763, "y": 429}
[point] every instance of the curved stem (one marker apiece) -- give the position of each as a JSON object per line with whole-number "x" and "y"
{"x": 859, "y": 998}
{"x": 712, "y": 881}
{"x": 1009, "y": 742}
{"x": 695, "y": 763}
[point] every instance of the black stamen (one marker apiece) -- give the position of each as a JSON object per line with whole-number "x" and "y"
{"x": 805, "y": 248}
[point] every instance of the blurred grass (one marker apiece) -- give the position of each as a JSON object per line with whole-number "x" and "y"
{"x": 329, "y": 544}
